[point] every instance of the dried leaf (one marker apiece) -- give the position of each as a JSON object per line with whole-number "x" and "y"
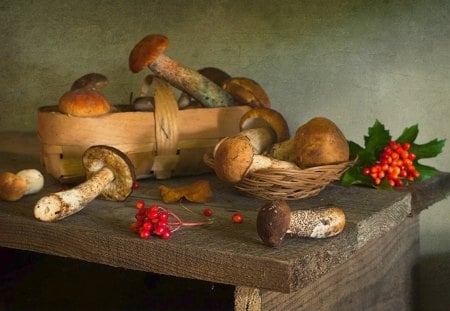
{"x": 198, "y": 192}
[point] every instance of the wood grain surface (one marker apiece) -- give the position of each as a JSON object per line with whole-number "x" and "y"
{"x": 222, "y": 252}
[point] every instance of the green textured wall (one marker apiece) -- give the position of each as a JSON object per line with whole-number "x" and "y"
{"x": 353, "y": 61}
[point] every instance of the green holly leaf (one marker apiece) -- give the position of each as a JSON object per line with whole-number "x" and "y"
{"x": 376, "y": 140}
{"x": 409, "y": 134}
{"x": 425, "y": 171}
{"x": 428, "y": 150}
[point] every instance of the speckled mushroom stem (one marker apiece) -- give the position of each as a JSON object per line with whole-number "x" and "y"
{"x": 261, "y": 162}
{"x": 65, "y": 203}
{"x": 320, "y": 223}
{"x": 190, "y": 81}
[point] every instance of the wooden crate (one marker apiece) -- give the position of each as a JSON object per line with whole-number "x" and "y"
{"x": 166, "y": 143}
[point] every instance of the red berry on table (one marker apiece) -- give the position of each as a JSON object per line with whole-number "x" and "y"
{"x": 145, "y": 234}
{"x": 166, "y": 234}
{"x": 207, "y": 212}
{"x": 237, "y": 218}
{"x": 140, "y": 204}
{"x": 135, "y": 185}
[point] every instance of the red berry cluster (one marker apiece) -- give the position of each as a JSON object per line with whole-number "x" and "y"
{"x": 395, "y": 164}
{"x": 151, "y": 220}
{"x": 154, "y": 220}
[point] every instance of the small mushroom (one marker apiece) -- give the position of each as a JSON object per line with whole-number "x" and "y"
{"x": 214, "y": 74}
{"x": 14, "y": 186}
{"x": 235, "y": 158}
{"x": 275, "y": 220}
{"x": 144, "y": 103}
{"x": 91, "y": 81}
{"x": 246, "y": 91}
{"x": 149, "y": 52}
{"x": 109, "y": 174}
{"x": 84, "y": 103}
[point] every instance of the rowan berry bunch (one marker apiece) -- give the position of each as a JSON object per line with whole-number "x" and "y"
{"x": 396, "y": 165}
{"x": 158, "y": 221}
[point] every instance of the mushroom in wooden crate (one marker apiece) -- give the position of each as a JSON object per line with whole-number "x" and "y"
{"x": 149, "y": 52}
{"x": 275, "y": 220}
{"x": 109, "y": 174}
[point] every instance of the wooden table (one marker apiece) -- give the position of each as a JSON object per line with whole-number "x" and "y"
{"x": 368, "y": 265}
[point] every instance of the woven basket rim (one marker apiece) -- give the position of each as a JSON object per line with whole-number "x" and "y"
{"x": 289, "y": 184}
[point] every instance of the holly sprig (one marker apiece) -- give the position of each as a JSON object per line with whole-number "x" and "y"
{"x": 378, "y": 137}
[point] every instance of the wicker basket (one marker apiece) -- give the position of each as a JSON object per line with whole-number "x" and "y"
{"x": 273, "y": 184}
{"x": 161, "y": 144}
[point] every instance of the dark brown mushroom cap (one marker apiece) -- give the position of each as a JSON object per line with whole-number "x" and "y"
{"x": 273, "y": 221}
{"x": 90, "y": 81}
{"x": 97, "y": 157}
{"x": 261, "y": 116}
{"x": 233, "y": 158}
{"x": 216, "y": 75}
{"x": 146, "y": 51}
{"x": 247, "y": 92}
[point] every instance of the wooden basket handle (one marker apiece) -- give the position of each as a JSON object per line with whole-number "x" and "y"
{"x": 166, "y": 129}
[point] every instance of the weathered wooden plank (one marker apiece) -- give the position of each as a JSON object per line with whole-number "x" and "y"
{"x": 379, "y": 277}
{"x": 221, "y": 252}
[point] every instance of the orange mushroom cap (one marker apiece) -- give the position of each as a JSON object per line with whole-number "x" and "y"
{"x": 146, "y": 51}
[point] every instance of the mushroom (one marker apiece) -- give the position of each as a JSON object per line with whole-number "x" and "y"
{"x": 149, "y": 52}
{"x": 246, "y": 91}
{"x": 109, "y": 174}
{"x": 239, "y": 155}
{"x": 235, "y": 158}
{"x": 90, "y": 81}
{"x": 216, "y": 75}
{"x": 14, "y": 186}
{"x": 275, "y": 220}
{"x": 317, "y": 142}
{"x": 84, "y": 103}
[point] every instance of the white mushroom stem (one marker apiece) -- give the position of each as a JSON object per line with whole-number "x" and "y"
{"x": 320, "y": 223}
{"x": 190, "y": 81}
{"x": 64, "y": 203}
{"x": 260, "y": 138}
{"x": 261, "y": 162}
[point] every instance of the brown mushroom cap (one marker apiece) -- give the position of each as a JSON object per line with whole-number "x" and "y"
{"x": 12, "y": 187}
{"x": 90, "y": 81}
{"x": 216, "y": 75}
{"x": 232, "y": 158}
{"x": 273, "y": 221}
{"x": 247, "y": 92}
{"x": 267, "y": 117}
{"x": 97, "y": 157}
{"x": 84, "y": 103}
{"x": 146, "y": 51}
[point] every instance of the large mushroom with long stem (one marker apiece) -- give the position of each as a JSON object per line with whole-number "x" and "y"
{"x": 149, "y": 52}
{"x": 110, "y": 175}
{"x": 275, "y": 220}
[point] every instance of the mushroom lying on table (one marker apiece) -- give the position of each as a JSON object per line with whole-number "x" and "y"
{"x": 275, "y": 220}
{"x": 149, "y": 52}
{"x": 14, "y": 186}
{"x": 109, "y": 174}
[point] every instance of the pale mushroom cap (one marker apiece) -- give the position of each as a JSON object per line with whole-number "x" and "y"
{"x": 34, "y": 180}
{"x": 247, "y": 92}
{"x": 232, "y": 158}
{"x": 12, "y": 187}
{"x": 273, "y": 221}
{"x": 146, "y": 51}
{"x": 84, "y": 103}
{"x": 97, "y": 157}
{"x": 261, "y": 116}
